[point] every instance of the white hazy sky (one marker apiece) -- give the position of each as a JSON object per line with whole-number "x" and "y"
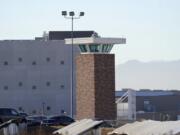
{"x": 152, "y": 27}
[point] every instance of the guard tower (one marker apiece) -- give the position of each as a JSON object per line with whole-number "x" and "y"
{"x": 95, "y": 77}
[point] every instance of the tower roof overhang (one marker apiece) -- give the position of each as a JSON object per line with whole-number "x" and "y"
{"x": 95, "y": 44}
{"x": 95, "y": 40}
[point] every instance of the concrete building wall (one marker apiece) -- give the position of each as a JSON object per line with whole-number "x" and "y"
{"x": 95, "y": 86}
{"x": 35, "y": 75}
{"x": 159, "y": 107}
{"x": 158, "y": 103}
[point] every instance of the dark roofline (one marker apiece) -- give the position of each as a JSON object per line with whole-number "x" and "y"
{"x": 150, "y": 93}
{"x": 61, "y": 35}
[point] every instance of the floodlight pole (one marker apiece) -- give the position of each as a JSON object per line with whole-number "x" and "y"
{"x": 72, "y": 17}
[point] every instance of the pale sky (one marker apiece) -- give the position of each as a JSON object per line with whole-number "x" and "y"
{"x": 152, "y": 27}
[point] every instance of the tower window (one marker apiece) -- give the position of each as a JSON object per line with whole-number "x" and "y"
{"x": 20, "y": 59}
{"x": 62, "y": 62}
{"x": 6, "y": 87}
{"x": 5, "y": 63}
{"x": 83, "y": 48}
{"x": 62, "y": 86}
{"x": 48, "y": 59}
{"x": 20, "y": 84}
{"x": 34, "y": 87}
{"x": 34, "y": 63}
{"x": 48, "y": 84}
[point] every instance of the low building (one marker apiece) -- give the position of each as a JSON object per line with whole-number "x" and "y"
{"x": 156, "y": 104}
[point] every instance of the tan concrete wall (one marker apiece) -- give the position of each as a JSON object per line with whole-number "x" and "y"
{"x": 85, "y": 95}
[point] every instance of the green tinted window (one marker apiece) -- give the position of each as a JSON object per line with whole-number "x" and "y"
{"x": 101, "y": 48}
{"x": 83, "y": 48}
{"x": 110, "y": 48}
{"x": 105, "y": 48}
{"x": 93, "y": 48}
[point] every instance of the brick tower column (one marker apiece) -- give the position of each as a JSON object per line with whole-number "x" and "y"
{"x": 95, "y": 89}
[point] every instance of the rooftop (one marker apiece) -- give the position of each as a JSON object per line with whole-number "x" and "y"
{"x": 61, "y": 35}
{"x": 150, "y": 93}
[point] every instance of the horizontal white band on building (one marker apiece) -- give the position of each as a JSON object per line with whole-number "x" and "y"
{"x": 94, "y": 40}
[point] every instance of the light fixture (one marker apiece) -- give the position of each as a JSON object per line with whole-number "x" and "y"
{"x": 81, "y": 14}
{"x": 64, "y": 13}
{"x": 71, "y": 13}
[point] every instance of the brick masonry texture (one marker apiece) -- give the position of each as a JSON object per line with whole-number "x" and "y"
{"x": 95, "y": 92}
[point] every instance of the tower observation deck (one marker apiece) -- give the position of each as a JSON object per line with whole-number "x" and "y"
{"x": 95, "y": 44}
